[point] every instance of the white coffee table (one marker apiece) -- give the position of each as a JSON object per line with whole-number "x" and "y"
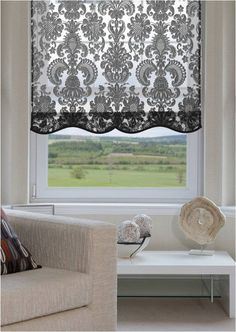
{"x": 181, "y": 263}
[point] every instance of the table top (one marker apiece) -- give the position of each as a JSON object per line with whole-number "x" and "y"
{"x": 176, "y": 262}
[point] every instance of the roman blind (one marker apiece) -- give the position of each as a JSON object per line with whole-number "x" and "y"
{"x": 129, "y": 65}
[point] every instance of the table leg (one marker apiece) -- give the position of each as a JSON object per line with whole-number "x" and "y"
{"x": 227, "y": 290}
{"x": 232, "y": 295}
{"x": 212, "y": 288}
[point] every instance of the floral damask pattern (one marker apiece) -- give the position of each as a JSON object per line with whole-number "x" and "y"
{"x": 140, "y": 27}
{"x": 116, "y": 64}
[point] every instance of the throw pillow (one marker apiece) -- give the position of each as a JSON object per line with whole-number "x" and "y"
{"x": 14, "y": 256}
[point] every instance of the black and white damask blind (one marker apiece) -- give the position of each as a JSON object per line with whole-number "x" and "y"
{"x": 125, "y": 64}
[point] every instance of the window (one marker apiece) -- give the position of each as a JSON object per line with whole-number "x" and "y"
{"x": 155, "y": 166}
{"x": 158, "y": 165}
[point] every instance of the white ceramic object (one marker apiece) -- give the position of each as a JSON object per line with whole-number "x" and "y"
{"x": 128, "y": 232}
{"x": 128, "y": 250}
{"x": 145, "y": 224}
{"x": 201, "y": 220}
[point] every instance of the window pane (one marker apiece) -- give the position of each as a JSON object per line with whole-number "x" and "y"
{"x": 154, "y": 158}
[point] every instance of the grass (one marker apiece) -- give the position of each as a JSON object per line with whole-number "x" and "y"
{"x": 102, "y": 177}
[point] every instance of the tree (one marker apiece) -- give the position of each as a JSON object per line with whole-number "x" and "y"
{"x": 180, "y": 175}
{"x": 78, "y": 173}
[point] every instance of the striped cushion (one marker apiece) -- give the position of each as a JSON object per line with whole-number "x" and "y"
{"x": 14, "y": 256}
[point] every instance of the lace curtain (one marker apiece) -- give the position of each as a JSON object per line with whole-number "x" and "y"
{"x": 125, "y": 64}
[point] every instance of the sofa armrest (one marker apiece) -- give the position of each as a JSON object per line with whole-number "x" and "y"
{"x": 63, "y": 242}
{"x": 77, "y": 245}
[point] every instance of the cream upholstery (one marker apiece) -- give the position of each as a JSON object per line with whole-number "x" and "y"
{"x": 78, "y": 320}
{"x": 77, "y": 245}
{"x": 41, "y": 292}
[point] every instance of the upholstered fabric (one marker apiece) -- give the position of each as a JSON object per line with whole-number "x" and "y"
{"x": 41, "y": 292}
{"x": 71, "y": 320}
{"x": 76, "y": 245}
{"x": 15, "y": 257}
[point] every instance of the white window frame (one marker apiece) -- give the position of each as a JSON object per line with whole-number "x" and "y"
{"x": 40, "y": 192}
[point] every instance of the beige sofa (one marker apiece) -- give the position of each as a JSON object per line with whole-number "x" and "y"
{"x": 76, "y": 288}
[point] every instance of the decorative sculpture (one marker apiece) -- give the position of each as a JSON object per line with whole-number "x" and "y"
{"x": 128, "y": 231}
{"x": 145, "y": 224}
{"x": 134, "y": 235}
{"x": 201, "y": 220}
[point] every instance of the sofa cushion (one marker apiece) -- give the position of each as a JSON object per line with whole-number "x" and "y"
{"x": 14, "y": 256}
{"x": 42, "y": 292}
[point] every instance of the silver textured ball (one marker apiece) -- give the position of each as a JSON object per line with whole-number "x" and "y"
{"x": 128, "y": 231}
{"x": 145, "y": 224}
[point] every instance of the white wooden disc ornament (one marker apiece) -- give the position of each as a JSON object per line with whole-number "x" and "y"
{"x": 201, "y": 220}
{"x": 128, "y": 232}
{"x": 145, "y": 224}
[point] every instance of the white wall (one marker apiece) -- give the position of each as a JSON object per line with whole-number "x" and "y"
{"x": 219, "y": 119}
{"x": 166, "y": 234}
{"x": 219, "y": 106}
{"x": 14, "y": 102}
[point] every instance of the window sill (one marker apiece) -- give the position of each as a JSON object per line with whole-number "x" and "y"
{"x": 99, "y": 209}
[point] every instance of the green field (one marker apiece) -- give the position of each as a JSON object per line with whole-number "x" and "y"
{"x": 59, "y": 177}
{"x": 107, "y": 162}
